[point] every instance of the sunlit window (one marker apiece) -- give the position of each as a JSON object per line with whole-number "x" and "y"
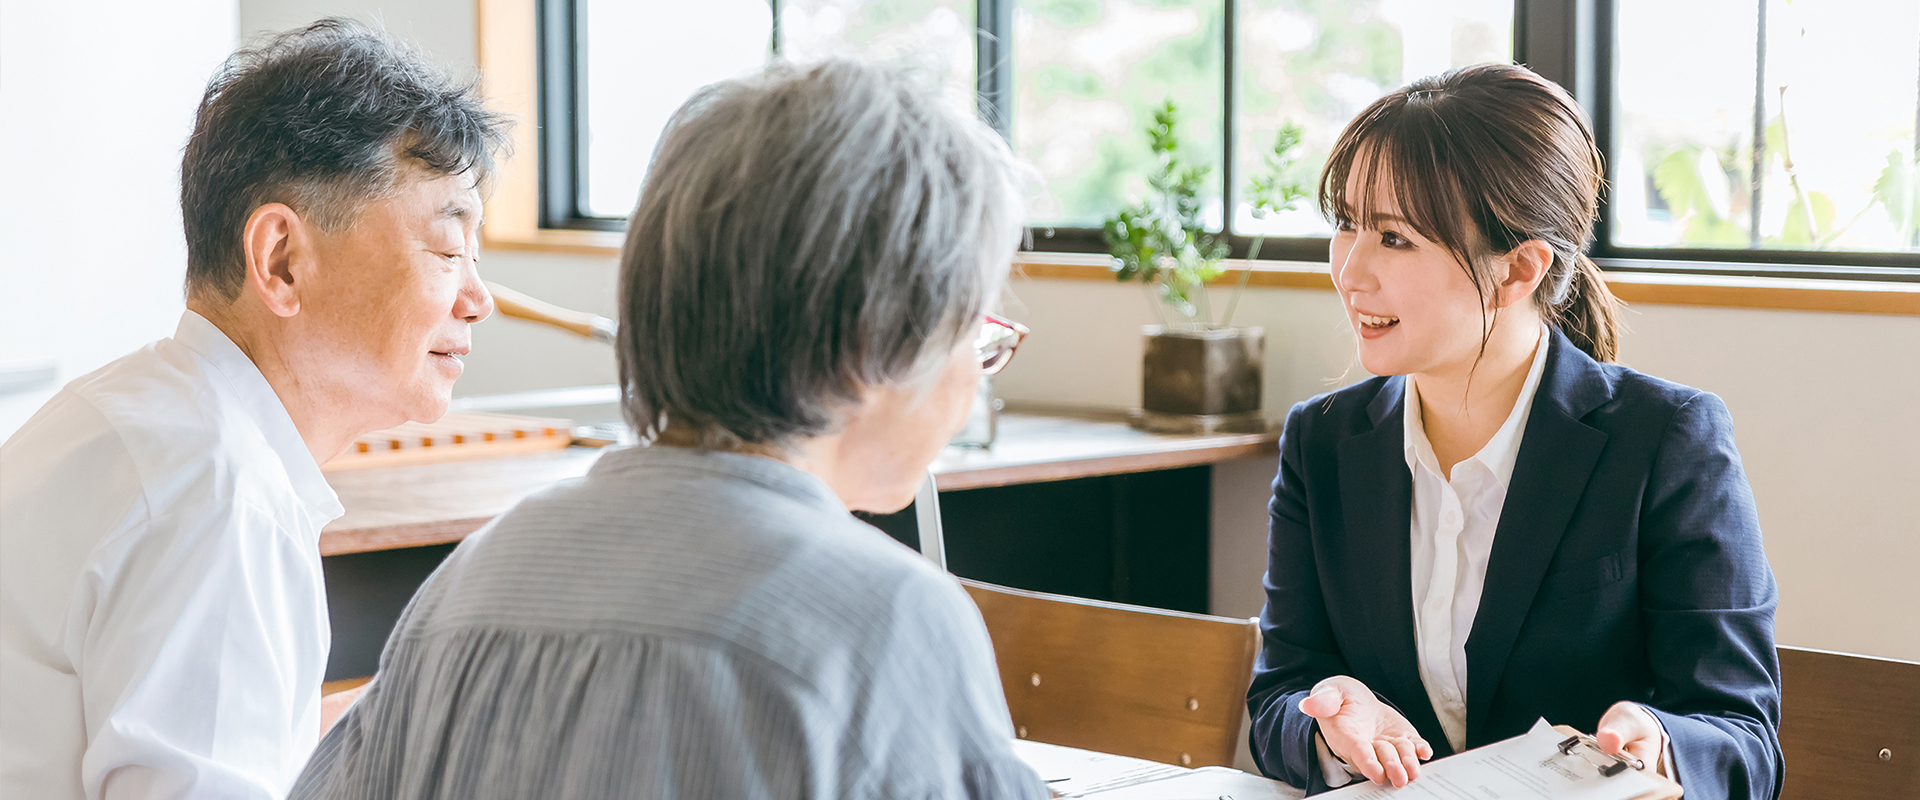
{"x": 1730, "y": 125}
{"x": 641, "y": 60}
{"x": 1317, "y": 64}
{"x": 1087, "y": 76}
{"x": 932, "y": 37}
{"x": 1829, "y": 91}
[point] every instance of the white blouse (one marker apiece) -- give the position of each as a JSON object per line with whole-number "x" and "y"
{"x": 163, "y": 624}
{"x": 1452, "y": 539}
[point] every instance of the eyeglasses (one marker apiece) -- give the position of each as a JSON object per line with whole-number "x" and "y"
{"x": 997, "y": 340}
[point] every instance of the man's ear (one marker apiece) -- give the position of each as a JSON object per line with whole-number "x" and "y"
{"x": 278, "y": 245}
{"x": 1527, "y": 266}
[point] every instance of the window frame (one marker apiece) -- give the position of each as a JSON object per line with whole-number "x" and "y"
{"x": 1560, "y": 39}
{"x": 1593, "y": 73}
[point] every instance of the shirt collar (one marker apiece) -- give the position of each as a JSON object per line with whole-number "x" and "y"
{"x": 1500, "y": 452}
{"x": 262, "y": 405}
{"x": 772, "y": 474}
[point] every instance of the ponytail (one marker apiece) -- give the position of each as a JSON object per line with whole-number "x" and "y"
{"x": 1590, "y": 314}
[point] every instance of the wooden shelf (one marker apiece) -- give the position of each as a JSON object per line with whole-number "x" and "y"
{"x": 412, "y": 506}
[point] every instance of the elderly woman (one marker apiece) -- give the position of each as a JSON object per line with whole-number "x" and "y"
{"x": 802, "y": 297}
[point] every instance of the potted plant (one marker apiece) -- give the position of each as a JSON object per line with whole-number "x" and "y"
{"x": 1198, "y": 375}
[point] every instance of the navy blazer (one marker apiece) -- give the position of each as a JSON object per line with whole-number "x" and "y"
{"x": 1627, "y": 565}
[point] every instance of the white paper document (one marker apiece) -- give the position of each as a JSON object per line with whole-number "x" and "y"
{"x": 1072, "y": 772}
{"x": 1205, "y": 783}
{"x": 1527, "y": 767}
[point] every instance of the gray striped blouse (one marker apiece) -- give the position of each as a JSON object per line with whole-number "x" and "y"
{"x": 680, "y": 624}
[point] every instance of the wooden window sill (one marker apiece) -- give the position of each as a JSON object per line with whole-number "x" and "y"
{"x": 1854, "y": 297}
{"x": 556, "y": 240}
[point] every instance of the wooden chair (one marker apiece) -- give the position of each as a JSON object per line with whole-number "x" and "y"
{"x": 1160, "y": 685}
{"x": 1849, "y": 725}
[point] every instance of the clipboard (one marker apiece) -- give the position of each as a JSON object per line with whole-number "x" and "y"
{"x": 1551, "y": 761}
{"x": 1587, "y": 748}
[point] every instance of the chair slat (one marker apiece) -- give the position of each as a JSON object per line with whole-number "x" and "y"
{"x": 1839, "y": 713}
{"x": 1160, "y": 685}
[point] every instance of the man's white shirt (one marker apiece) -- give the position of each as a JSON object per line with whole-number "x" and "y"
{"x": 163, "y": 619}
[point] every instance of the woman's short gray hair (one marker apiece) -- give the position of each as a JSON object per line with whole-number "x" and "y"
{"x": 805, "y": 232}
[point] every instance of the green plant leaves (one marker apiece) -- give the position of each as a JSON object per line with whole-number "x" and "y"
{"x": 1897, "y": 191}
{"x": 1160, "y": 240}
{"x": 1699, "y": 193}
{"x": 1278, "y": 187}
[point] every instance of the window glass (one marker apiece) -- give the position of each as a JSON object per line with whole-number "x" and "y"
{"x": 1317, "y": 63}
{"x": 640, "y": 62}
{"x": 1088, "y": 75}
{"x": 1838, "y": 84}
{"x": 932, "y": 37}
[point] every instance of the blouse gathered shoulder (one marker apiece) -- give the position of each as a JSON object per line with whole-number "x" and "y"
{"x": 680, "y": 624}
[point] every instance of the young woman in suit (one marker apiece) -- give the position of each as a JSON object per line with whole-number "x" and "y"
{"x": 1507, "y": 526}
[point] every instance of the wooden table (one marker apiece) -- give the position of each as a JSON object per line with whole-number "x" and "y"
{"x": 395, "y": 507}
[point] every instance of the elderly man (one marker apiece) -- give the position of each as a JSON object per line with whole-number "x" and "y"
{"x": 163, "y": 624}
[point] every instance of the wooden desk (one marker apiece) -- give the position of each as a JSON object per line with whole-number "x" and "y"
{"x": 395, "y": 507}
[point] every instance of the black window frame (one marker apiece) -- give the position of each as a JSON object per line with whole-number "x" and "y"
{"x": 1560, "y": 39}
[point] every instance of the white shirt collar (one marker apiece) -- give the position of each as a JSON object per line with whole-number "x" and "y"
{"x": 1503, "y": 449}
{"x": 263, "y": 406}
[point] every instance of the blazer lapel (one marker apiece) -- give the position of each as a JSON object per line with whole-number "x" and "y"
{"x": 1376, "y": 559}
{"x": 1557, "y": 456}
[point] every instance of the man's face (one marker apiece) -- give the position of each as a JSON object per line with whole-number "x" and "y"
{"x": 394, "y": 292}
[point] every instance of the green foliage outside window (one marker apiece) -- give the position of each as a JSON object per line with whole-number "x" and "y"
{"x": 1159, "y": 240}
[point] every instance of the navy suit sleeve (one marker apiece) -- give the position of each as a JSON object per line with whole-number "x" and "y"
{"x": 1297, "y": 646}
{"x": 1708, "y": 598}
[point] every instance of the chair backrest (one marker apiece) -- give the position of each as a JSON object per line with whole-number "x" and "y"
{"x": 1849, "y": 725}
{"x": 1160, "y": 685}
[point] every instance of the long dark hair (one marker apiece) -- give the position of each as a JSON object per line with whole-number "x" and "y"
{"x": 1505, "y": 150}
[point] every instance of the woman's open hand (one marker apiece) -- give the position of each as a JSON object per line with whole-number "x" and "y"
{"x": 1366, "y": 733}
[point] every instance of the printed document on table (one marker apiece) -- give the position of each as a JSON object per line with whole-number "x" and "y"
{"x": 1527, "y": 767}
{"x": 1071, "y": 772}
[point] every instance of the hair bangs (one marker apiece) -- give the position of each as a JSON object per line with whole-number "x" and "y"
{"x": 1401, "y": 153}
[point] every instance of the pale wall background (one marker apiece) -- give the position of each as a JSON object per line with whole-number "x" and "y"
{"x": 96, "y": 100}
{"x": 1827, "y": 406}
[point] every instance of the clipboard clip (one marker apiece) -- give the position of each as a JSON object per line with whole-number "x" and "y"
{"x": 1611, "y": 764}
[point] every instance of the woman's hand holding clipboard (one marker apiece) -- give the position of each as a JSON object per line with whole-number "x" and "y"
{"x": 1547, "y": 761}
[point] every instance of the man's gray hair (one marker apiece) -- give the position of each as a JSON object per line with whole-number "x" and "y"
{"x": 323, "y": 119}
{"x": 803, "y": 233}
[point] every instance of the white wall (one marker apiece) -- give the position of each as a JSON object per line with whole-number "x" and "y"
{"x": 445, "y": 29}
{"x": 98, "y": 98}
